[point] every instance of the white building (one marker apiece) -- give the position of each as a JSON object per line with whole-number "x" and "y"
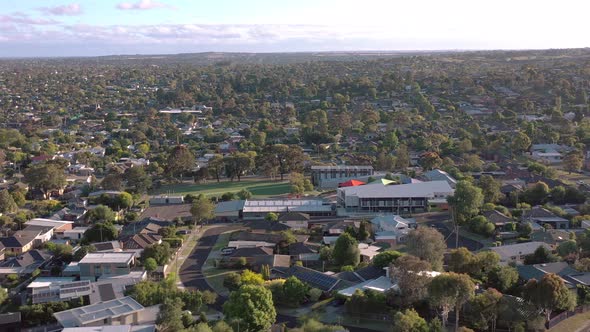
{"x": 399, "y": 199}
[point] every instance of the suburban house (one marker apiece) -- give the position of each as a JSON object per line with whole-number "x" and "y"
{"x": 439, "y": 175}
{"x": 538, "y": 271}
{"x": 392, "y": 229}
{"x": 316, "y": 279}
{"x": 497, "y": 218}
{"x": 400, "y": 199}
{"x": 542, "y": 216}
{"x": 18, "y": 243}
{"x": 56, "y": 289}
{"x": 59, "y": 226}
{"x": 549, "y": 153}
{"x": 94, "y": 265}
{"x": 24, "y": 263}
{"x": 295, "y": 220}
{"x": 517, "y": 252}
{"x": 76, "y": 233}
{"x": 330, "y": 176}
{"x": 122, "y": 311}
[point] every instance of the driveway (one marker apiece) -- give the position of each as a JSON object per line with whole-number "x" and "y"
{"x": 192, "y": 276}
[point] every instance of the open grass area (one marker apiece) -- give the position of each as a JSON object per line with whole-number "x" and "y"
{"x": 572, "y": 178}
{"x": 258, "y": 188}
{"x": 573, "y": 324}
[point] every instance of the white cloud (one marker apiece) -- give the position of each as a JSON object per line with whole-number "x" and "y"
{"x": 64, "y": 10}
{"x": 143, "y": 5}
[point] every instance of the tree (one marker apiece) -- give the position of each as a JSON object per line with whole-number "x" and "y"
{"x": 346, "y": 251}
{"x": 383, "y": 259}
{"x": 150, "y": 264}
{"x": 215, "y": 165}
{"x": 363, "y": 233}
{"x": 100, "y": 232}
{"x": 409, "y": 321}
{"x": 222, "y": 326}
{"x": 537, "y": 194}
{"x": 503, "y": 278}
{"x": 161, "y": 253}
{"x": 238, "y": 163}
{"x": 285, "y": 158}
{"x": 124, "y": 200}
{"x": 413, "y": 284}
{"x": 271, "y": 216}
{"x": 19, "y": 197}
{"x": 169, "y": 316}
{"x": 549, "y": 294}
{"x": 573, "y": 162}
{"x": 567, "y": 248}
{"x": 430, "y": 160}
{"x": 295, "y": 290}
{"x": 45, "y": 177}
{"x": 520, "y": 142}
{"x": 539, "y": 256}
{"x": 312, "y": 325}
{"x": 427, "y": 244}
{"x": 181, "y": 160}
{"x": 490, "y": 189}
{"x": 299, "y": 184}
{"x": 232, "y": 281}
{"x": 253, "y": 305}
{"x": 7, "y": 203}
{"x": 251, "y": 278}
{"x": 202, "y": 209}
{"x": 483, "y": 309}
{"x": 244, "y": 194}
{"x": 464, "y": 203}
{"x": 112, "y": 181}
{"x": 137, "y": 179}
{"x": 100, "y": 214}
{"x": 402, "y": 160}
{"x": 448, "y": 291}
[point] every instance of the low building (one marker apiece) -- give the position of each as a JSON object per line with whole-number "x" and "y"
{"x": 56, "y": 289}
{"x": 295, "y": 220}
{"x": 331, "y": 176}
{"x": 113, "y": 328}
{"x": 439, "y": 175}
{"x": 76, "y": 233}
{"x": 542, "y": 216}
{"x": 95, "y": 265}
{"x": 517, "y": 252}
{"x": 258, "y": 209}
{"x": 122, "y": 311}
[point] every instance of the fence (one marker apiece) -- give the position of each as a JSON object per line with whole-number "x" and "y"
{"x": 566, "y": 314}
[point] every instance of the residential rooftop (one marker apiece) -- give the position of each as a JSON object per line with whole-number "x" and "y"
{"x": 107, "y": 257}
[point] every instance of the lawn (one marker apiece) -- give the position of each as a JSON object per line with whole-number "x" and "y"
{"x": 574, "y": 323}
{"x": 258, "y": 188}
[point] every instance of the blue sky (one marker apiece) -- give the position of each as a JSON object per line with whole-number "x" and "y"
{"x": 101, "y": 27}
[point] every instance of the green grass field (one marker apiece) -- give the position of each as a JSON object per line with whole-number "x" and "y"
{"x": 258, "y": 188}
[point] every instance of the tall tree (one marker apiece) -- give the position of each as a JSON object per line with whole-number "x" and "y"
{"x": 253, "y": 305}
{"x": 427, "y": 244}
{"x": 45, "y": 177}
{"x": 465, "y": 203}
{"x": 402, "y": 157}
{"x": 285, "y": 158}
{"x": 450, "y": 291}
{"x": 549, "y": 294}
{"x": 137, "y": 179}
{"x": 483, "y": 310}
{"x": 215, "y": 165}
{"x": 413, "y": 284}
{"x": 7, "y": 203}
{"x": 409, "y": 321}
{"x": 202, "y": 209}
{"x": 169, "y": 316}
{"x": 490, "y": 189}
{"x": 346, "y": 251}
{"x": 181, "y": 160}
{"x": 573, "y": 162}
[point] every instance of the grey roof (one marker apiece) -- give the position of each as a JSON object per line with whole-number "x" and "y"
{"x": 419, "y": 190}
{"x": 286, "y": 205}
{"x": 29, "y": 258}
{"x": 107, "y": 257}
{"x": 314, "y": 278}
{"x": 112, "y": 328}
{"x": 79, "y": 317}
{"x": 341, "y": 167}
{"x": 517, "y": 249}
{"x": 229, "y": 206}
{"x": 270, "y": 226}
{"x": 537, "y": 271}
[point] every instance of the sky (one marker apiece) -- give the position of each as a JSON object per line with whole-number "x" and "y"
{"x": 41, "y": 28}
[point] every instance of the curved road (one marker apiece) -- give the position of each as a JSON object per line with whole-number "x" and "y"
{"x": 192, "y": 277}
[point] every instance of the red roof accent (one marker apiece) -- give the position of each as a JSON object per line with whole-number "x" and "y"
{"x": 351, "y": 183}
